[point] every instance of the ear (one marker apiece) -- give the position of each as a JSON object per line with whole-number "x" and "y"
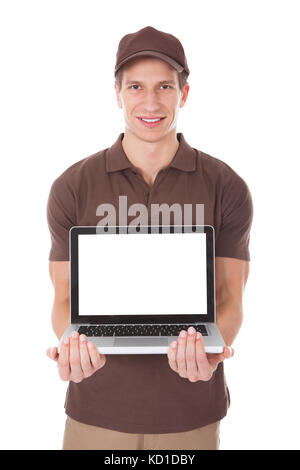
{"x": 117, "y": 95}
{"x": 184, "y": 95}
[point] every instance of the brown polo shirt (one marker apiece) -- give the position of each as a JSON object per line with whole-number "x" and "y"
{"x": 141, "y": 393}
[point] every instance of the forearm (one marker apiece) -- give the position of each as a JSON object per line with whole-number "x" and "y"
{"x": 229, "y": 320}
{"x": 60, "y": 317}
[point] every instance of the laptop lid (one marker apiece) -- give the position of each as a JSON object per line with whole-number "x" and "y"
{"x": 142, "y": 274}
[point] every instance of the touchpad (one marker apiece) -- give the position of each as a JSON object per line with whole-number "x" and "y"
{"x": 143, "y": 341}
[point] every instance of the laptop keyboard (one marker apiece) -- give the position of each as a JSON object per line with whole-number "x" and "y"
{"x": 138, "y": 330}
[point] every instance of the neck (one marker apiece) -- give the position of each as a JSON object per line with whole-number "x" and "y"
{"x": 149, "y": 157}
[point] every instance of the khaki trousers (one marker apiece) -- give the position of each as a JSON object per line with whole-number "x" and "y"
{"x": 80, "y": 436}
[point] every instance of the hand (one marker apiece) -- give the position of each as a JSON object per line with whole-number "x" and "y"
{"x": 189, "y": 359}
{"x": 77, "y": 359}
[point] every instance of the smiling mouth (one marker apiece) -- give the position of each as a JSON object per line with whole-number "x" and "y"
{"x": 151, "y": 122}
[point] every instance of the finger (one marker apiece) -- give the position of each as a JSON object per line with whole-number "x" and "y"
{"x": 75, "y": 364}
{"x": 97, "y": 360}
{"x": 52, "y": 353}
{"x": 172, "y": 356}
{"x": 63, "y": 362}
{"x": 204, "y": 367}
{"x": 190, "y": 354}
{"x": 86, "y": 364}
{"x": 181, "y": 358}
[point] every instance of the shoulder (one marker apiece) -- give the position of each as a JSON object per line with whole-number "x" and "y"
{"x": 84, "y": 166}
{"x": 223, "y": 175}
{"x": 71, "y": 177}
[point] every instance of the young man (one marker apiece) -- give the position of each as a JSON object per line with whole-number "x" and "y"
{"x": 173, "y": 401}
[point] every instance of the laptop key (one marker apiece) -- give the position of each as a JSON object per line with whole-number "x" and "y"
{"x": 137, "y": 330}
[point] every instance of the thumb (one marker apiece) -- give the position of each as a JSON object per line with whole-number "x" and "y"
{"x": 228, "y": 352}
{"x": 52, "y": 353}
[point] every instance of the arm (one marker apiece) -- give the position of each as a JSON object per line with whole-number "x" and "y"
{"x": 231, "y": 278}
{"x": 77, "y": 359}
{"x": 187, "y": 357}
{"x": 59, "y": 274}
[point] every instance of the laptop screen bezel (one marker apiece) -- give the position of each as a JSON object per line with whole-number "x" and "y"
{"x": 141, "y": 319}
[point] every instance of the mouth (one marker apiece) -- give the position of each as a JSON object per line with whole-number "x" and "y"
{"x": 151, "y": 122}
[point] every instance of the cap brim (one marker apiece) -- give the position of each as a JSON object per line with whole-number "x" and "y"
{"x": 158, "y": 55}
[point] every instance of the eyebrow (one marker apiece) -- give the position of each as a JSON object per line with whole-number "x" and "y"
{"x": 161, "y": 82}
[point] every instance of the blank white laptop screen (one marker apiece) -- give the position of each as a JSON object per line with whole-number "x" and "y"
{"x": 142, "y": 274}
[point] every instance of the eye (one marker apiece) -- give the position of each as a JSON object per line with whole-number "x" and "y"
{"x": 139, "y": 85}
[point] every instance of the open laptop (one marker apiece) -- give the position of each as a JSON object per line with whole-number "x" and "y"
{"x": 134, "y": 288}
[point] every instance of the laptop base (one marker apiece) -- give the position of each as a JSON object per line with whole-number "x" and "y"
{"x": 213, "y": 343}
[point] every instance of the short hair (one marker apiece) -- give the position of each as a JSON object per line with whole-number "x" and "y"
{"x": 182, "y": 78}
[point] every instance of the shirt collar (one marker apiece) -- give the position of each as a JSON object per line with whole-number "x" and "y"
{"x": 184, "y": 159}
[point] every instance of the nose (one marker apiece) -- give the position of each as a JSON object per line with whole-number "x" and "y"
{"x": 151, "y": 102}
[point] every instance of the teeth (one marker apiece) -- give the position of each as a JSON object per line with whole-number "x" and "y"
{"x": 150, "y": 120}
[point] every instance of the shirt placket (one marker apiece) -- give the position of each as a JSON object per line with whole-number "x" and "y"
{"x": 150, "y": 192}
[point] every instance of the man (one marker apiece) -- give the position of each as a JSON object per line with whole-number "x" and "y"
{"x": 173, "y": 401}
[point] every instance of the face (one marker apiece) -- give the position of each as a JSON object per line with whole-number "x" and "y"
{"x": 150, "y": 89}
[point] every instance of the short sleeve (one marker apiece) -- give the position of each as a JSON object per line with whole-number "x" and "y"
{"x": 61, "y": 216}
{"x": 233, "y": 238}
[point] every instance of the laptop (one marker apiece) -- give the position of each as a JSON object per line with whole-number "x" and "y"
{"x": 134, "y": 288}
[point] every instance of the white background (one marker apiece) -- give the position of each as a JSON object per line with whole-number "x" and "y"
{"x": 58, "y": 106}
{"x": 138, "y": 274}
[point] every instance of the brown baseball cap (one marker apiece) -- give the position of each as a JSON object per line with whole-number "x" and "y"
{"x": 152, "y": 42}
